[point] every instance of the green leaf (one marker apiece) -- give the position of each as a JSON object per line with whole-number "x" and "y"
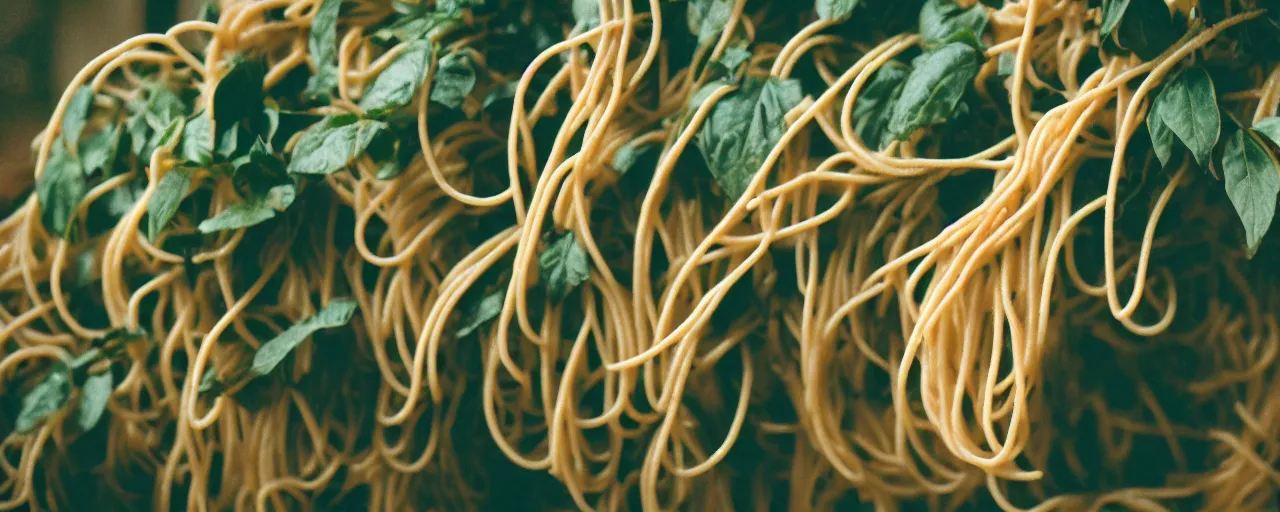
{"x": 322, "y": 44}
{"x": 209, "y": 382}
{"x": 1269, "y": 128}
{"x": 732, "y": 58}
{"x": 94, "y": 396}
{"x": 1147, "y": 29}
{"x": 627, "y": 155}
{"x": 115, "y": 341}
{"x": 741, "y": 129}
{"x": 163, "y": 106}
{"x": 197, "y": 140}
{"x": 326, "y": 149}
{"x": 176, "y": 127}
{"x": 563, "y": 266}
{"x": 99, "y": 151}
{"x": 84, "y": 266}
{"x": 336, "y": 314}
{"x": 89, "y": 357}
{"x": 1189, "y": 107}
{"x": 453, "y": 81}
{"x": 942, "y": 22}
{"x": 484, "y": 311}
{"x": 838, "y": 10}
{"x": 139, "y": 132}
{"x": 209, "y": 11}
{"x": 708, "y": 18}
{"x": 457, "y": 5}
{"x": 586, "y": 14}
{"x": 396, "y": 86}
{"x": 1162, "y": 138}
{"x": 427, "y": 25}
{"x": 505, "y": 91}
{"x": 251, "y": 212}
{"x": 1006, "y": 63}
{"x": 165, "y": 199}
{"x": 272, "y": 113}
{"x": 875, "y": 103}
{"x": 934, "y": 87}
{"x": 239, "y": 94}
{"x": 1253, "y": 183}
{"x": 45, "y": 399}
{"x": 60, "y": 189}
{"x": 1112, "y": 13}
{"x": 77, "y": 114}
{"x": 389, "y": 170}
{"x": 120, "y": 200}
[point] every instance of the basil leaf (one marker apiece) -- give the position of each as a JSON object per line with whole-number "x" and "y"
{"x": 114, "y": 341}
{"x": 138, "y": 135}
{"x": 251, "y": 212}
{"x": 732, "y": 58}
{"x": 563, "y": 266}
{"x": 875, "y": 103}
{"x": 627, "y": 155}
{"x": 453, "y": 81}
{"x": 77, "y": 114}
{"x": 89, "y": 357}
{"x": 1189, "y": 107}
{"x": 484, "y": 311}
{"x": 934, "y": 87}
{"x": 1006, "y": 63}
{"x": 326, "y": 149}
{"x": 708, "y": 18}
{"x": 336, "y": 314}
{"x": 837, "y": 10}
{"x": 1253, "y": 183}
{"x": 457, "y": 5}
{"x": 209, "y": 382}
{"x": 501, "y": 92}
{"x": 99, "y": 151}
{"x": 322, "y": 44}
{"x": 175, "y": 127}
{"x": 943, "y": 21}
{"x": 396, "y": 86}
{"x": 120, "y": 200}
{"x": 425, "y": 26}
{"x": 239, "y": 93}
{"x": 1148, "y": 29}
{"x": 165, "y": 199}
{"x": 389, "y": 170}
{"x": 163, "y": 106}
{"x": 1269, "y": 128}
{"x": 1112, "y": 13}
{"x": 45, "y": 399}
{"x": 586, "y": 14}
{"x": 209, "y": 11}
{"x": 94, "y": 396}
{"x": 1162, "y": 138}
{"x": 272, "y": 113}
{"x": 84, "y": 266}
{"x": 197, "y": 140}
{"x": 60, "y": 189}
{"x": 733, "y": 149}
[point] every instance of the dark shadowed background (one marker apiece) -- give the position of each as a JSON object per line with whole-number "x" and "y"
{"x": 43, "y": 43}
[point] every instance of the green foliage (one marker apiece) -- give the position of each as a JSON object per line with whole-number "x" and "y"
{"x": 335, "y": 314}
{"x": 742, "y": 128}
{"x": 563, "y": 266}
{"x": 1253, "y": 182}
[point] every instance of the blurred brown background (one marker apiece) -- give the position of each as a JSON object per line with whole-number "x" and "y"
{"x": 43, "y": 44}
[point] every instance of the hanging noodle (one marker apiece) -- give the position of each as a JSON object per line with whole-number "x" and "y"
{"x": 902, "y": 326}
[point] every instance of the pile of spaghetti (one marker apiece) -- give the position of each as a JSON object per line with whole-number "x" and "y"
{"x": 654, "y": 254}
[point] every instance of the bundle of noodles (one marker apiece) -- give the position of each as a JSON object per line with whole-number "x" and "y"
{"x": 702, "y": 254}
